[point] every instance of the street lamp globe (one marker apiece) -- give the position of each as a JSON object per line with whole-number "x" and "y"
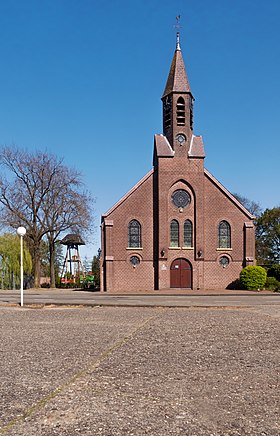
{"x": 21, "y": 231}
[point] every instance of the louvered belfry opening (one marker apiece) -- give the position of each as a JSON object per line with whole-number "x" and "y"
{"x": 180, "y": 112}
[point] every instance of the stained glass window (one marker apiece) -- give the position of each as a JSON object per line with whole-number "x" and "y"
{"x": 134, "y": 260}
{"x": 174, "y": 233}
{"x": 224, "y": 261}
{"x": 188, "y": 234}
{"x": 224, "y": 235}
{"x": 181, "y": 198}
{"x": 134, "y": 234}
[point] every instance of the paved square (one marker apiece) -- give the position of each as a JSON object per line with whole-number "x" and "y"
{"x": 136, "y": 371}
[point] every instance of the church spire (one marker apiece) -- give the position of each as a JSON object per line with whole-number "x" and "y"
{"x": 177, "y": 79}
{"x": 178, "y": 102}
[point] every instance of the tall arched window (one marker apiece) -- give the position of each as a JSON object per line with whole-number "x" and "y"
{"x": 134, "y": 234}
{"x": 188, "y": 234}
{"x": 180, "y": 114}
{"x": 224, "y": 235}
{"x": 174, "y": 233}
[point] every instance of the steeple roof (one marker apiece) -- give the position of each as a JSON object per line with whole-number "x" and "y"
{"x": 177, "y": 79}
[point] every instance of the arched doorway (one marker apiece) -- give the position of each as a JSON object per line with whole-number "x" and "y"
{"x": 181, "y": 274}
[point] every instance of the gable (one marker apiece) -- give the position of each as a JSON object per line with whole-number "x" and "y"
{"x": 223, "y": 190}
{"x": 129, "y": 194}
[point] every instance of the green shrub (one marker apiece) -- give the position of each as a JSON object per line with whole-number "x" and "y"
{"x": 274, "y": 271}
{"x": 253, "y": 277}
{"x": 272, "y": 284}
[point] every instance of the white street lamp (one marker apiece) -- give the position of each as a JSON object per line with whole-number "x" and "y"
{"x": 21, "y": 231}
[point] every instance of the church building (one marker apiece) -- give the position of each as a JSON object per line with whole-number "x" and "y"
{"x": 178, "y": 227}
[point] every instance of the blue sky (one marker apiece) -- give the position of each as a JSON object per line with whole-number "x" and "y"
{"x": 83, "y": 79}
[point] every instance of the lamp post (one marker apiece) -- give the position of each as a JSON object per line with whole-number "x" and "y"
{"x": 21, "y": 231}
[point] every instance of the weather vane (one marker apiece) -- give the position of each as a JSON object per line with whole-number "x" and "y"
{"x": 178, "y": 26}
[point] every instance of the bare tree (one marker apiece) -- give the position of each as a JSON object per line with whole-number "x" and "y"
{"x": 66, "y": 207}
{"x": 45, "y": 196}
{"x": 252, "y": 206}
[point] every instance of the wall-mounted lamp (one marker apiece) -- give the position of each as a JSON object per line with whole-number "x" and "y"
{"x": 162, "y": 252}
{"x": 199, "y": 253}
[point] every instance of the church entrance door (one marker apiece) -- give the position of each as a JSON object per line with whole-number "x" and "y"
{"x": 181, "y": 274}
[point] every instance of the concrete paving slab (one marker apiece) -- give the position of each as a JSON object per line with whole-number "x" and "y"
{"x": 134, "y": 371}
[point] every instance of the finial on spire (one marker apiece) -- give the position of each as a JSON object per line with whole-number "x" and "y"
{"x": 178, "y": 41}
{"x": 177, "y": 26}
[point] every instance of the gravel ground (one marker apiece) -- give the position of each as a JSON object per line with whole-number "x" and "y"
{"x": 137, "y": 371}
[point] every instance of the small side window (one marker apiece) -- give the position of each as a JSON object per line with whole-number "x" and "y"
{"x": 174, "y": 233}
{"x": 188, "y": 234}
{"x": 224, "y": 235}
{"x": 134, "y": 234}
{"x": 134, "y": 260}
{"x": 224, "y": 261}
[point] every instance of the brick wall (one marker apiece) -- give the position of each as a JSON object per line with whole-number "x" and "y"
{"x": 210, "y": 204}
{"x": 121, "y": 275}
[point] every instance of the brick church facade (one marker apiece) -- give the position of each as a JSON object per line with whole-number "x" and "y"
{"x": 178, "y": 227}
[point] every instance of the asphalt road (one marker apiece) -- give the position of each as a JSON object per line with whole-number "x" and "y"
{"x": 70, "y": 297}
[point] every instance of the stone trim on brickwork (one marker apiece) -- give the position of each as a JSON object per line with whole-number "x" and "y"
{"x": 162, "y": 146}
{"x": 196, "y": 147}
{"x": 109, "y": 222}
{"x": 249, "y": 225}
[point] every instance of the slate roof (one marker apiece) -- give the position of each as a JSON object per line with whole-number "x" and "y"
{"x": 177, "y": 79}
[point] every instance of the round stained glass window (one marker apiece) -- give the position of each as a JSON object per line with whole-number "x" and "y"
{"x": 181, "y": 198}
{"x": 134, "y": 260}
{"x": 224, "y": 261}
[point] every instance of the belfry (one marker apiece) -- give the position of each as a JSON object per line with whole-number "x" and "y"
{"x": 178, "y": 227}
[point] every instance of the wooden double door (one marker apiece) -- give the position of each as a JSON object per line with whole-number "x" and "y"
{"x": 181, "y": 274}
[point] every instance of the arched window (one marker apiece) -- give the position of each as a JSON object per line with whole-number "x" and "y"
{"x": 224, "y": 235}
{"x": 174, "y": 233}
{"x": 180, "y": 114}
{"x": 134, "y": 234}
{"x": 188, "y": 234}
